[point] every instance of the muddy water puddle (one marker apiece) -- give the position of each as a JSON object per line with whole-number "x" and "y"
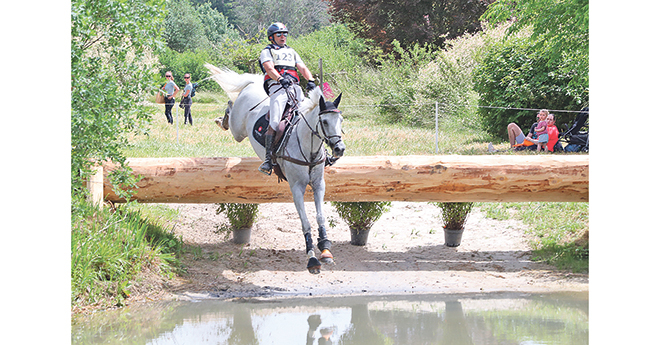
{"x": 490, "y": 318}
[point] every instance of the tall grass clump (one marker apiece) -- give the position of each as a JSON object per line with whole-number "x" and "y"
{"x": 110, "y": 252}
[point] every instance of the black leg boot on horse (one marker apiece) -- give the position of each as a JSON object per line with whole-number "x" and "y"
{"x": 324, "y": 246}
{"x": 267, "y": 166}
{"x": 313, "y": 264}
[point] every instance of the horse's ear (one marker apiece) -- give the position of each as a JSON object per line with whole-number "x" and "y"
{"x": 321, "y": 103}
{"x": 337, "y": 100}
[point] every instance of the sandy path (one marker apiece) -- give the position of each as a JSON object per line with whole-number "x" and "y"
{"x": 404, "y": 254}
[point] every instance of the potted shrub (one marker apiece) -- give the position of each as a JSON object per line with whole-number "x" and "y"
{"x": 360, "y": 216}
{"x": 241, "y": 217}
{"x": 454, "y": 215}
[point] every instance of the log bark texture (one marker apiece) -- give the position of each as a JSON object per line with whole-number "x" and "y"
{"x": 496, "y": 178}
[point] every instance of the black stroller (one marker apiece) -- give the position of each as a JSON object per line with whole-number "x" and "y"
{"x": 576, "y": 138}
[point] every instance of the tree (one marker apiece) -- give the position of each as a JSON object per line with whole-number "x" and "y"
{"x": 409, "y": 21}
{"x": 183, "y": 27}
{"x": 191, "y": 28}
{"x": 300, "y": 16}
{"x": 560, "y": 29}
{"x": 111, "y": 67}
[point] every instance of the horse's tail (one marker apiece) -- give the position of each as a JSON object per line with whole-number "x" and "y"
{"x": 231, "y": 82}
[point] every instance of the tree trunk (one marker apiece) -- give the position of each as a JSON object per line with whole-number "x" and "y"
{"x": 503, "y": 178}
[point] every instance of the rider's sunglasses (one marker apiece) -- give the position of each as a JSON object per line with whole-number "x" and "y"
{"x": 279, "y": 34}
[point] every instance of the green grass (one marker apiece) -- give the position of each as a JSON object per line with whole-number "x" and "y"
{"x": 364, "y": 135}
{"x": 111, "y": 251}
{"x": 559, "y": 231}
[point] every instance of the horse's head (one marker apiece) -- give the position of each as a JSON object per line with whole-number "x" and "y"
{"x": 330, "y": 120}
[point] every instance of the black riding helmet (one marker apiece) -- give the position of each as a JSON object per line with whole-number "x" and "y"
{"x": 275, "y": 28}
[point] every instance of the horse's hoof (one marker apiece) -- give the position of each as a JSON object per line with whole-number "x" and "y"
{"x": 327, "y": 258}
{"x": 314, "y": 265}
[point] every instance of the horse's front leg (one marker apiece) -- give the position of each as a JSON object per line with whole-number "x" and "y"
{"x": 324, "y": 244}
{"x": 298, "y": 193}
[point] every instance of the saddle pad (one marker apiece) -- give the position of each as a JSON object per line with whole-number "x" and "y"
{"x": 261, "y": 126}
{"x": 259, "y": 130}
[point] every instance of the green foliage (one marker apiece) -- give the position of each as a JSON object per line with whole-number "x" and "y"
{"x": 409, "y": 21}
{"x": 217, "y": 29}
{"x": 109, "y": 250}
{"x": 111, "y": 68}
{"x": 454, "y": 214}
{"x": 335, "y": 44}
{"x": 244, "y": 54}
{"x": 361, "y": 215}
{"x": 241, "y": 216}
{"x": 514, "y": 74}
{"x": 190, "y": 28}
{"x": 195, "y": 35}
{"x": 399, "y": 87}
{"x": 300, "y": 16}
{"x": 560, "y": 28}
{"x": 189, "y": 62}
{"x": 183, "y": 29}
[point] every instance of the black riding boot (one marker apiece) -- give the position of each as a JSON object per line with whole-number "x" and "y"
{"x": 267, "y": 166}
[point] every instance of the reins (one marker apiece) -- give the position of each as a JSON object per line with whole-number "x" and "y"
{"x": 314, "y": 132}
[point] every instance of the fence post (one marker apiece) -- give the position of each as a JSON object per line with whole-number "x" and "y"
{"x": 95, "y": 185}
{"x": 177, "y": 123}
{"x": 436, "y": 127}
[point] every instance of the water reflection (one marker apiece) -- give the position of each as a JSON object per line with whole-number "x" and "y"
{"x": 434, "y": 319}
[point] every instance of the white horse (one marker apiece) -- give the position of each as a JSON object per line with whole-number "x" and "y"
{"x": 301, "y": 157}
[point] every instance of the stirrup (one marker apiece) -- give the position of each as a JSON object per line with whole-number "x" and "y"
{"x": 266, "y": 167}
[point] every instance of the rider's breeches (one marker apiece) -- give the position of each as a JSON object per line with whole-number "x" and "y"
{"x": 278, "y": 102}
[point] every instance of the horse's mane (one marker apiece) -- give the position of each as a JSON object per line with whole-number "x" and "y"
{"x": 308, "y": 104}
{"x": 231, "y": 82}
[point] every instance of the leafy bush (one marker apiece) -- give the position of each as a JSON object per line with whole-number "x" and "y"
{"x": 361, "y": 215}
{"x": 515, "y": 75}
{"x": 241, "y": 216}
{"x": 454, "y": 214}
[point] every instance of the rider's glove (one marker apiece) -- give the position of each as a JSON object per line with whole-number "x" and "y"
{"x": 285, "y": 82}
{"x": 310, "y": 85}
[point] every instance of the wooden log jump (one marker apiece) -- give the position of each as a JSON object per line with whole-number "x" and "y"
{"x": 452, "y": 178}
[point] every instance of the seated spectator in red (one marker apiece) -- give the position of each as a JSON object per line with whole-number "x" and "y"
{"x": 553, "y": 133}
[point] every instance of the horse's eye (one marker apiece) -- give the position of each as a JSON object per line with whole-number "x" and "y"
{"x": 325, "y": 122}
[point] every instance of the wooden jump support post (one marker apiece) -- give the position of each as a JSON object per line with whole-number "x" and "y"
{"x": 452, "y": 178}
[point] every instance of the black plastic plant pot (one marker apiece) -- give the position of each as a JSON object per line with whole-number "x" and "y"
{"x": 453, "y": 237}
{"x": 242, "y": 236}
{"x": 359, "y": 237}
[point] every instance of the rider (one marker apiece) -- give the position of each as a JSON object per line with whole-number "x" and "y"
{"x": 280, "y": 64}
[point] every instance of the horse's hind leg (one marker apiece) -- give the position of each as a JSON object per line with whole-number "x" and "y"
{"x": 224, "y": 121}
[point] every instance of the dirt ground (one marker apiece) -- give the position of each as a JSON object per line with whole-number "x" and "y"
{"x": 405, "y": 253}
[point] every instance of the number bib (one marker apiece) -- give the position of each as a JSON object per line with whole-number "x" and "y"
{"x": 285, "y": 57}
